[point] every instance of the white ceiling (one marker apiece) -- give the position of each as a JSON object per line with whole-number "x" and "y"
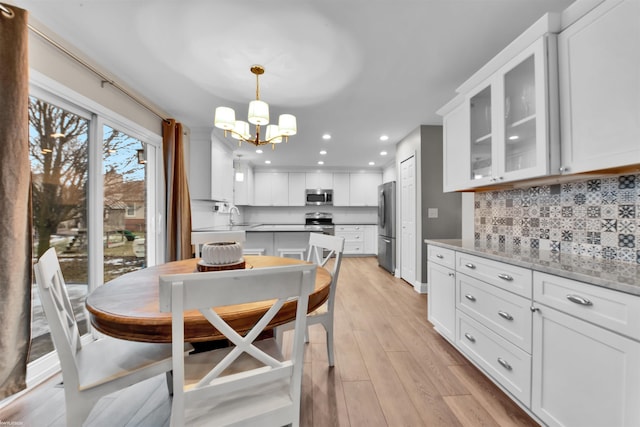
{"x": 356, "y": 69}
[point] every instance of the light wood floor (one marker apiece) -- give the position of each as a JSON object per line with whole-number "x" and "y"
{"x": 391, "y": 369}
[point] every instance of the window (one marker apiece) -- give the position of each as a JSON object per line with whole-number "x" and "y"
{"x": 92, "y": 200}
{"x": 124, "y": 226}
{"x": 58, "y": 142}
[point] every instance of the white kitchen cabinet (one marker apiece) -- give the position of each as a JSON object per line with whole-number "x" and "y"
{"x": 221, "y": 173}
{"x": 568, "y": 351}
{"x": 322, "y": 180}
{"x": 353, "y": 238}
{"x": 210, "y": 170}
{"x": 456, "y": 154}
{"x": 297, "y": 186}
{"x": 243, "y": 185}
{"x": 513, "y": 129}
{"x": 371, "y": 239}
{"x": 599, "y": 68}
{"x": 341, "y": 189}
{"x": 363, "y": 189}
{"x": 584, "y": 374}
{"x": 271, "y": 189}
{"x": 441, "y": 299}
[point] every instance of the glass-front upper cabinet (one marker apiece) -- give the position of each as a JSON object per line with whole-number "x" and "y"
{"x": 513, "y": 119}
{"x": 481, "y": 136}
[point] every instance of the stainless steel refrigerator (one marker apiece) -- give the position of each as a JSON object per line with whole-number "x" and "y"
{"x": 387, "y": 226}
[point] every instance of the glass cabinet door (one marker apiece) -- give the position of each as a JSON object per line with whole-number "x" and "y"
{"x": 481, "y": 136}
{"x": 520, "y": 117}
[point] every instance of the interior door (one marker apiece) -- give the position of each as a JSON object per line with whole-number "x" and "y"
{"x": 408, "y": 220}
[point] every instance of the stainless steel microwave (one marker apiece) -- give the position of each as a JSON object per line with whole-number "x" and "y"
{"x": 318, "y": 197}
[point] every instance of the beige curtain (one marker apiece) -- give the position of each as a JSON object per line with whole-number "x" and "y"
{"x": 177, "y": 193}
{"x": 15, "y": 201}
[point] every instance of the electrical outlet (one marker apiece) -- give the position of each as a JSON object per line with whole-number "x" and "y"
{"x": 432, "y": 213}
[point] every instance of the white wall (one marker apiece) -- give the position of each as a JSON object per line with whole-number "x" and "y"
{"x": 56, "y": 65}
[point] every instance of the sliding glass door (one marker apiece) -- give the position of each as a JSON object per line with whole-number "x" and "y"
{"x": 59, "y": 141}
{"x": 125, "y": 206}
{"x": 94, "y": 200}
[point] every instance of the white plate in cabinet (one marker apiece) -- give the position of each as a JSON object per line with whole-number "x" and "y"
{"x": 508, "y": 277}
{"x": 504, "y": 362}
{"x": 506, "y": 314}
{"x": 583, "y": 375}
{"x": 617, "y": 311}
{"x": 442, "y": 256}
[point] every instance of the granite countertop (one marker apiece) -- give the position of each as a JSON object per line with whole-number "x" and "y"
{"x": 616, "y": 275}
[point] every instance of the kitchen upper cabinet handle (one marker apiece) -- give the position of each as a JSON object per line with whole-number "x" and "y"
{"x": 469, "y": 337}
{"x": 579, "y": 300}
{"x": 439, "y": 256}
{"x": 505, "y": 277}
{"x": 505, "y": 315}
{"x": 452, "y": 275}
{"x": 470, "y": 297}
{"x": 469, "y": 265}
{"x": 504, "y": 364}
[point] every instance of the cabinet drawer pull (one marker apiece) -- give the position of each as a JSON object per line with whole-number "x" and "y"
{"x": 469, "y": 265}
{"x": 505, "y": 277}
{"x": 579, "y": 300}
{"x": 470, "y": 297}
{"x": 504, "y": 364}
{"x": 505, "y": 315}
{"x": 439, "y": 256}
{"x": 452, "y": 275}
{"x": 469, "y": 337}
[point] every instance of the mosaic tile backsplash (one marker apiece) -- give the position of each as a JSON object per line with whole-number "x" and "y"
{"x": 598, "y": 218}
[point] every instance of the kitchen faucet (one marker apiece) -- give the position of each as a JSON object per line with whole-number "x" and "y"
{"x": 231, "y": 210}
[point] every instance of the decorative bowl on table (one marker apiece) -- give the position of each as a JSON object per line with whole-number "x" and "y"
{"x": 221, "y": 256}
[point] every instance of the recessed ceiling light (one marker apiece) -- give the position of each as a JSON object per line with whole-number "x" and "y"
{"x": 323, "y": 152}
{"x": 326, "y": 136}
{"x": 514, "y": 137}
{"x": 383, "y": 153}
{"x": 268, "y": 162}
{"x": 259, "y": 151}
{"x": 384, "y": 138}
{"x": 372, "y": 163}
{"x": 320, "y": 162}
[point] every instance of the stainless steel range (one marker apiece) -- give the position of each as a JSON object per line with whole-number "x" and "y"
{"x": 320, "y": 221}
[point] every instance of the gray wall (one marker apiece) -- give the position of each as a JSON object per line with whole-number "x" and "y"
{"x": 448, "y": 224}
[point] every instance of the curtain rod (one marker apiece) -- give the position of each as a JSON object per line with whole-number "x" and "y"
{"x": 89, "y": 67}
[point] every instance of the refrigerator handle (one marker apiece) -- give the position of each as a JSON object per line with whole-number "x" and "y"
{"x": 381, "y": 209}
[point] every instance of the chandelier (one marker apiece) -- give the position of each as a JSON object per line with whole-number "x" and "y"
{"x": 225, "y": 118}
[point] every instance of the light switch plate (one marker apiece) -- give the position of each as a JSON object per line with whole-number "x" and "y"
{"x": 432, "y": 213}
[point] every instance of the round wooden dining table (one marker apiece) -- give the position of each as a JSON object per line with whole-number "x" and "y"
{"x": 127, "y": 307}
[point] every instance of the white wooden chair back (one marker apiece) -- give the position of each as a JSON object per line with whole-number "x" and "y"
{"x": 335, "y": 246}
{"x": 199, "y": 238}
{"x": 202, "y": 291}
{"x": 59, "y": 313}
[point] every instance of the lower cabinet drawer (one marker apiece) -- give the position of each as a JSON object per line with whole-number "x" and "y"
{"x": 353, "y": 247}
{"x": 507, "y": 364}
{"x": 507, "y": 314}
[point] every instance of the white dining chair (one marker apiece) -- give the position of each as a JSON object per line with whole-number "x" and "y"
{"x": 199, "y": 238}
{"x": 91, "y": 371}
{"x": 249, "y": 383}
{"x": 322, "y": 247}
